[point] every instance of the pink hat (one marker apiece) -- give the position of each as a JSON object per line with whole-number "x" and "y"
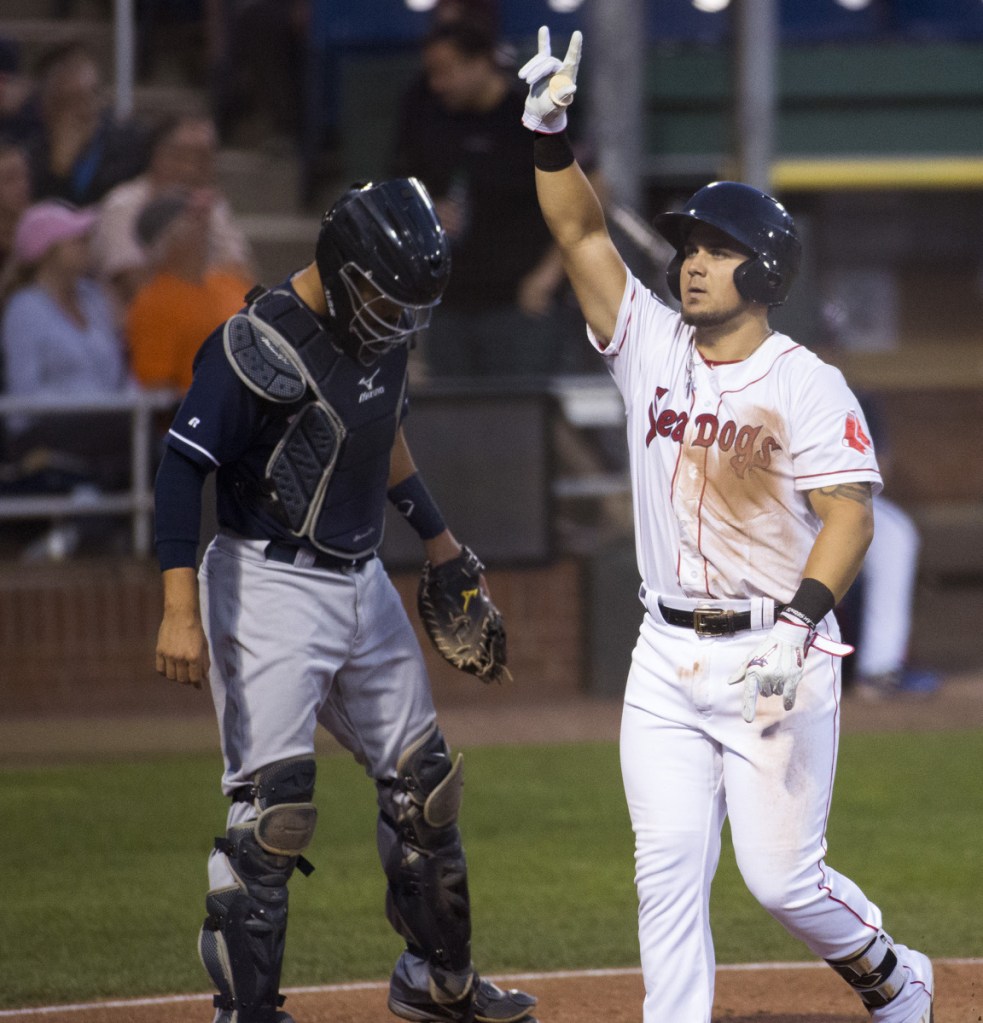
{"x": 46, "y": 224}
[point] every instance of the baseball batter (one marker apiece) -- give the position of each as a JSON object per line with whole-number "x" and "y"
{"x": 753, "y": 475}
{"x": 297, "y": 403}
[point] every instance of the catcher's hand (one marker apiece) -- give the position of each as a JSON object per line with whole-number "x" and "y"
{"x": 459, "y": 617}
{"x": 552, "y": 84}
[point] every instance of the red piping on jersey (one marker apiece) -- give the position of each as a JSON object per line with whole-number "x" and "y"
{"x": 672, "y": 488}
{"x": 699, "y": 507}
{"x": 823, "y": 886}
{"x": 837, "y": 472}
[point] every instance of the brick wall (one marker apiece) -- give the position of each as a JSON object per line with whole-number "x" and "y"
{"x": 79, "y": 637}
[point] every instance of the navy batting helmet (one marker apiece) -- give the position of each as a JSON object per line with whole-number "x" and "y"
{"x": 384, "y": 261}
{"x": 755, "y": 221}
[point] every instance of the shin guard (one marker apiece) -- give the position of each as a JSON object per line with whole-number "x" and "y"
{"x": 243, "y": 937}
{"x": 427, "y": 901}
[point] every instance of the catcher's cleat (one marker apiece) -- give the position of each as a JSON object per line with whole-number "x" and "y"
{"x": 493, "y": 1005}
{"x": 484, "y": 1003}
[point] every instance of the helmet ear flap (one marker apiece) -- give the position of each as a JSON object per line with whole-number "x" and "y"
{"x": 757, "y": 282}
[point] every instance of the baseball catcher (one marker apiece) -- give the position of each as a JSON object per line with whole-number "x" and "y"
{"x": 459, "y": 617}
{"x": 298, "y": 402}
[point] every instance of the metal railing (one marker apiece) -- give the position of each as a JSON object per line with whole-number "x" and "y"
{"x": 137, "y": 501}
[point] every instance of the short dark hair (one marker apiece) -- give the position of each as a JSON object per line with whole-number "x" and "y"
{"x": 472, "y": 38}
{"x": 168, "y": 123}
{"x": 61, "y": 54}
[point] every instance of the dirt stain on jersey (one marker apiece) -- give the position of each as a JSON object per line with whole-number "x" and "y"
{"x": 736, "y": 490}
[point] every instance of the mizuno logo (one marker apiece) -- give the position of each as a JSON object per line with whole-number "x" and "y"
{"x": 371, "y": 391}
{"x": 193, "y": 422}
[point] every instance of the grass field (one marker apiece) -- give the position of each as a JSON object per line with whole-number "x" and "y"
{"x": 103, "y": 866}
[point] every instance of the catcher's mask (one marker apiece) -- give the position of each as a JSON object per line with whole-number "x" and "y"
{"x": 754, "y": 220}
{"x": 384, "y": 261}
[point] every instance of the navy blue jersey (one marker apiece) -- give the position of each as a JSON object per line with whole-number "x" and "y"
{"x": 224, "y": 425}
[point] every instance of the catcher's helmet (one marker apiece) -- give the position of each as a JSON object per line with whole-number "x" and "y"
{"x": 384, "y": 262}
{"x": 756, "y": 221}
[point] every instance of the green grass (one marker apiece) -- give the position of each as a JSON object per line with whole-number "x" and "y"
{"x": 104, "y": 866}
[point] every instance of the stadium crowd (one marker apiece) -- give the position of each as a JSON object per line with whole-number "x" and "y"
{"x": 118, "y": 255}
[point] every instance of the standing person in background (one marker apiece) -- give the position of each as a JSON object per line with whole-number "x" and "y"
{"x": 459, "y": 132}
{"x": 184, "y": 299}
{"x": 18, "y": 99}
{"x": 182, "y": 156}
{"x": 259, "y": 67}
{"x": 80, "y": 151}
{"x": 753, "y": 477}
{"x": 298, "y": 403}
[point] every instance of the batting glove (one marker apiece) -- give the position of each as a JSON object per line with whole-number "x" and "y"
{"x": 552, "y": 84}
{"x": 776, "y": 665}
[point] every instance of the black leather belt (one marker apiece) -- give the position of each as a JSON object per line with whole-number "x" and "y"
{"x": 277, "y": 550}
{"x": 711, "y": 621}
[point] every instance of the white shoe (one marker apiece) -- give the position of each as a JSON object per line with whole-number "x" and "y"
{"x": 914, "y": 1003}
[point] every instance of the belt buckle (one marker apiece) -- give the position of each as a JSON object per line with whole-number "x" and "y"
{"x": 702, "y": 616}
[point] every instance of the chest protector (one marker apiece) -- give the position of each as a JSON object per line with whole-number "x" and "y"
{"x": 329, "y": 472}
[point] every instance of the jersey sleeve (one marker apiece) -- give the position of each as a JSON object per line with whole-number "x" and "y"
{"x": 217, "y": 420}
{"x": 829, "y": 437}
{"x": 645, "y": 325}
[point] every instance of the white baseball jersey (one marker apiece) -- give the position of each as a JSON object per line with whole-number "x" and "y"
{"x": 722, "y": 454}
{"x": 722, "y": 457}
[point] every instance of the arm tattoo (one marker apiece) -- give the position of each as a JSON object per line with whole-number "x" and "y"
{"x": 859, "y": 492}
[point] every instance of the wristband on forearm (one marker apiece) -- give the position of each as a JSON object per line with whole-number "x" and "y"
{"x": 552, "y": 152}
{"x": 414, "y": 502}
{"x": 813, "y": 600}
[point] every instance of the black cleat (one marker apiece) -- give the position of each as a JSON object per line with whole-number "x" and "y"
{"x": 493, "y": 1005}
{"x": 483, "y": 1003}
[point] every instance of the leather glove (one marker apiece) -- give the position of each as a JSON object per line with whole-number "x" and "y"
{"x": 775, "y": 666}
{"x": 546, "y": 108}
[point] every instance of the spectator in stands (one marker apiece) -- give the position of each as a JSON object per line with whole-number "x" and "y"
{"x": 80, "y": 151}
{"x": 260, "y": 66}
{"x": 60, "y": 337}
{"x": 183, "y": 154}
{"x": 15, "y": 195}
{"x": 460, "y": 131}
{"x": 483, "y": 13}
{"x": 184, "y": 299}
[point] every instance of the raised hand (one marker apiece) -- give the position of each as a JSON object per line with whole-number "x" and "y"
{"x": 552, "y": 84}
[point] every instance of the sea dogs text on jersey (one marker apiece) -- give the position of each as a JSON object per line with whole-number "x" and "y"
{"x": 708, "y": 429}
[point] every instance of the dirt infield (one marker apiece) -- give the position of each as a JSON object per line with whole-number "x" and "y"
{"x": 774, "y": 993}
{"x": 770, "y": 993}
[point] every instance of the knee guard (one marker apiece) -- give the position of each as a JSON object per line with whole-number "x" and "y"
{"x": 242, "y": 939}
{"x": 427, "y": 900}
{"x": 873, "y": 972}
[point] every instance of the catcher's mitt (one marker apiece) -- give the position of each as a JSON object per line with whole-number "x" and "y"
{"x": 463, "y": 624}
